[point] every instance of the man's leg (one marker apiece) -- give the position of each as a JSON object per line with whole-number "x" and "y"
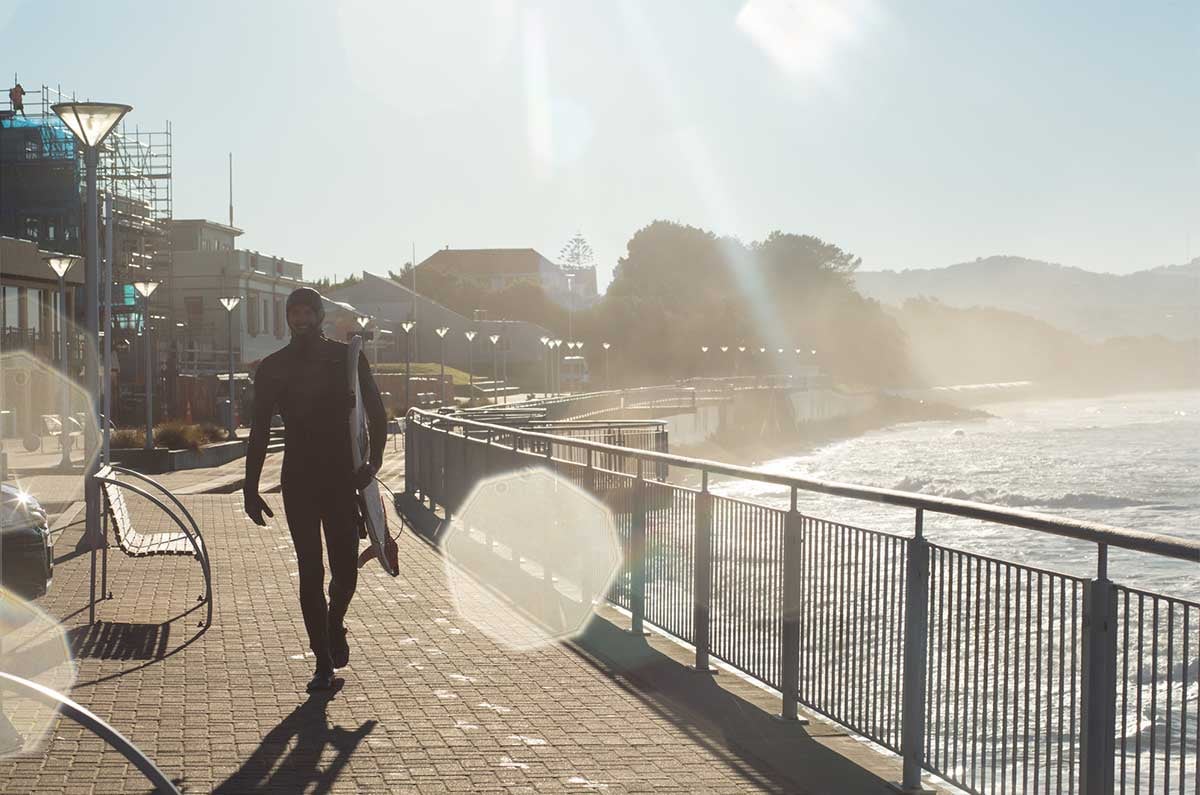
{"x": 303, "y": 510}
{"x": 339, "y": 516}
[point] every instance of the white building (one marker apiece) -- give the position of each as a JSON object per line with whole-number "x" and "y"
{"x": 207, "y": 267}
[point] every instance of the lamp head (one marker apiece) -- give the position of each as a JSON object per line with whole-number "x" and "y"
{"x": 605, "y": 345}
{"x": 408, "y": 326}
{"x": 91, "y": 122}
{"x": 230, "y": 304}
{"x": 494, "y": 338}
{"x": 470, "y": 335}
{"x": 145, "y": 289}
{"x": 61, "y": 263}
{"x": 441, "y": 332}
{"x": 704, "y": 349}
{"x": 363, "y": 321}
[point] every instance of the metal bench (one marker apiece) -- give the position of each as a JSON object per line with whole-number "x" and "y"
{"x": 187, "y": 541}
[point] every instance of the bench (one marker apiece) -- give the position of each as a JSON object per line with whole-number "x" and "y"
{"x": 187, "y": 541}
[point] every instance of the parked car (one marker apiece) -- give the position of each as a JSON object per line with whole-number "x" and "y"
{"x": 26, "y": 547}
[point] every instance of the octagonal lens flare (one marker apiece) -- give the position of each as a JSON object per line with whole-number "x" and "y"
{"x": 33, "y": 646}
{"x": 48, "y": 424}
{"x": 528, "y": 555}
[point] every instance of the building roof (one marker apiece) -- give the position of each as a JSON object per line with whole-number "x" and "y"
{"x": 487, "y": 261}
{"x": 232, "y": 230}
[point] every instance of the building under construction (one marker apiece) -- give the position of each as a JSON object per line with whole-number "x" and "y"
{"x": 42, "y": 199}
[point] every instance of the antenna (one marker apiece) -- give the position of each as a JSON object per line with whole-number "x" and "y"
{"x": 231, "y": 188}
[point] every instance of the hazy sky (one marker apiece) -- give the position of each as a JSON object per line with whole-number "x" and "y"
{"x": 914, "y": 134}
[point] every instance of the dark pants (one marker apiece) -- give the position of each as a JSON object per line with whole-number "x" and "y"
{"x": 310, "y": 503}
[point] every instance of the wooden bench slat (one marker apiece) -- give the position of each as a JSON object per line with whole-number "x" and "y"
{"x": 136, "y": 544}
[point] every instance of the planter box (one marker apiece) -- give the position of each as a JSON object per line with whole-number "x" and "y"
{"x": 160, "y": 459}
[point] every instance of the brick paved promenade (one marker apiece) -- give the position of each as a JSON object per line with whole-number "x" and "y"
{"x": 428, "y": 704}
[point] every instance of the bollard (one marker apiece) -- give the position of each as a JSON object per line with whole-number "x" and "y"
{"x": 1099, "y": 685}
{"x": 916, "y": 631}
{"x": 793, "y": 528}
{"x": 637, "y": 553}
{"x": 702, "y": 575}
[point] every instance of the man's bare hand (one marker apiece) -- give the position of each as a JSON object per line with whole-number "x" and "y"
{"x": 256, "y": 506}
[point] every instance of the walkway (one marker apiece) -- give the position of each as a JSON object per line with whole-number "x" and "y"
{"x": 428, "y": 705}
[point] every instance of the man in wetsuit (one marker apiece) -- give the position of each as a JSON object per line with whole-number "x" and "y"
{"x": 306, "y": 384}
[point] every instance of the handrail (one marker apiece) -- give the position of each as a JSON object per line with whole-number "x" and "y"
{"x": 1095, "y": 532}
{"x": 97, "y": 725}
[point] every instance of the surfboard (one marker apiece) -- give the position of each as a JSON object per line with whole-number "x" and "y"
{"x": 370, "y": 502}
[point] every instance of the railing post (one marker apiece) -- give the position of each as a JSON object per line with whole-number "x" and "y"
{"x": 916, "y": 637}
{"x": 1099, "y": 675}
{"x": 793, "y": 528}
{"x": 702, "y": 575}
{"x": 637, "y": 551}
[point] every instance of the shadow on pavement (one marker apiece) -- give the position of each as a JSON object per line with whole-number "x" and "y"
{"x": 116, "y": 640}
{"x": 292, "y": 757}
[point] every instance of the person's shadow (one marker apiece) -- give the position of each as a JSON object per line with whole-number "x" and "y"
{"x": 274, "y": 768}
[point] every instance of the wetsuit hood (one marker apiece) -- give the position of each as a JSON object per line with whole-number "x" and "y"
{"x": 309, "y": 297}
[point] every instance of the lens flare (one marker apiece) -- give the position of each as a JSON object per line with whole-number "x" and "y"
{"x": 33, "y": 646}
{"x": 528, "y": 556}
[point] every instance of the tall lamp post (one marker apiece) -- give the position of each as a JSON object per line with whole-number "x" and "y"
{"x": 495, "y": 338}
{"x": 470, "y": 335}
{"x": 546, "y": 363}
{"x": 145, "y": 290}
{"x": 724, "y": 350}
{"x": 607, "y": 374}
{"x": 737, "y": 362}
{"x": 703, "y": 358}
{"x": 408, "y": 326}
{"x": 442, "y": 332}
{"x": 230, "y": 304}
{"x": 60, "y": 264}
{"x": 91, "y": 123}
{"x": 556, "y": 365}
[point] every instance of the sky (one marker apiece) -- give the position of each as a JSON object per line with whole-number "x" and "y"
{"x": 914, "y": 134}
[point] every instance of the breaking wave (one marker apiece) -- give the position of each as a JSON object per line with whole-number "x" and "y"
{"x": 992, "y": 496}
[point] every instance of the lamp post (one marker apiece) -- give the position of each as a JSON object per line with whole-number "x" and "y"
{"x": 556, "y": 365}
{"x": 607, "y": 375}
{"x": 91, "y": 123}
{"x": 470, "y": 335}
{"x": 703, "y": 357}
{"x": 495, "y": 338}
{"x": 60, "y": 264}
{"x": 724, "y": 350}
{"x": 408, "y": 326}
{"x": 442, "y": 332}
{"x": 737, "y": 362}
{"x": 145, "y": 290}
{"x": 230, "y": 304}
{"x": 546, "y": 363}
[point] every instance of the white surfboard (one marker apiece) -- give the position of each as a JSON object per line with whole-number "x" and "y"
{"x": 370, "y": 502}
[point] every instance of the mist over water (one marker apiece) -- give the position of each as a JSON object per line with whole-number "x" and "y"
{"x": 1128, "y": 461}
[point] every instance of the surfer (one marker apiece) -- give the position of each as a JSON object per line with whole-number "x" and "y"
{"x": 305, "y": 382}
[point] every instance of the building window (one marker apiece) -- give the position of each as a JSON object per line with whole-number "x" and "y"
{"x": 194, "y": 307}
{"x": 252, "y": 315}
{"x": 32, "y": 227}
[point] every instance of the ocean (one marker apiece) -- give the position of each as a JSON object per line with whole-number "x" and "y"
{"x": 1132, "y": 461}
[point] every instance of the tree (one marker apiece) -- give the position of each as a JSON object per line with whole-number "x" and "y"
{"x": 577, "y": 253}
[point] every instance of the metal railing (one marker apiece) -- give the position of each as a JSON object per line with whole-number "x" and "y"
{"x": 995, "y": 676}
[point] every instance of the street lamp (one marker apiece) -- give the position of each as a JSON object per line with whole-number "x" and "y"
{"x": 724, "y": 350}
{"x": 60, "y": 264}
{"x": 607, "y": 377}
{"x": 703, "y": 356}
{"x": 470, "y": 335}
{"x": 737, "y": 362}
{"x": 546, "y": 363}
{"x": 556, "y": 364}
{"x": 230, "y": 304}
{"x": 145, "y": 290}
{"x": 495, "y": 338}
{"x": 408, "y": 326}
{"x": 91, "y": 123}
{"x": 442, "y": 332}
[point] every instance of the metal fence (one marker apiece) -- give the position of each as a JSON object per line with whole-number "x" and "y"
{"x": 995, "y": 676}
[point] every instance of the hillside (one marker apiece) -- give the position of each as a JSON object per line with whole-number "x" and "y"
{"x": 1095, "y": 306}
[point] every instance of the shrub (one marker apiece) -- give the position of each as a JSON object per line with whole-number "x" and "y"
{"x": 178, "y": 436}
{"x": 213, "y": 432}
{"x": 127, "y": 439}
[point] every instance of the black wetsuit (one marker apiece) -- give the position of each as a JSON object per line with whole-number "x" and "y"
{"x": 307, "y": 384}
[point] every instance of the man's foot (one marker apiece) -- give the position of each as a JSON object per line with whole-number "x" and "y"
{"x": 322, "y": 680}
{"x": 339, "y": 647}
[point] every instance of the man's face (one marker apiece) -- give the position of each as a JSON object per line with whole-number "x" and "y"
{"x": 301, "y": 319}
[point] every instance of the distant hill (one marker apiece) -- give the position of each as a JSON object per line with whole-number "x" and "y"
{"x": 1096, "y": 306}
